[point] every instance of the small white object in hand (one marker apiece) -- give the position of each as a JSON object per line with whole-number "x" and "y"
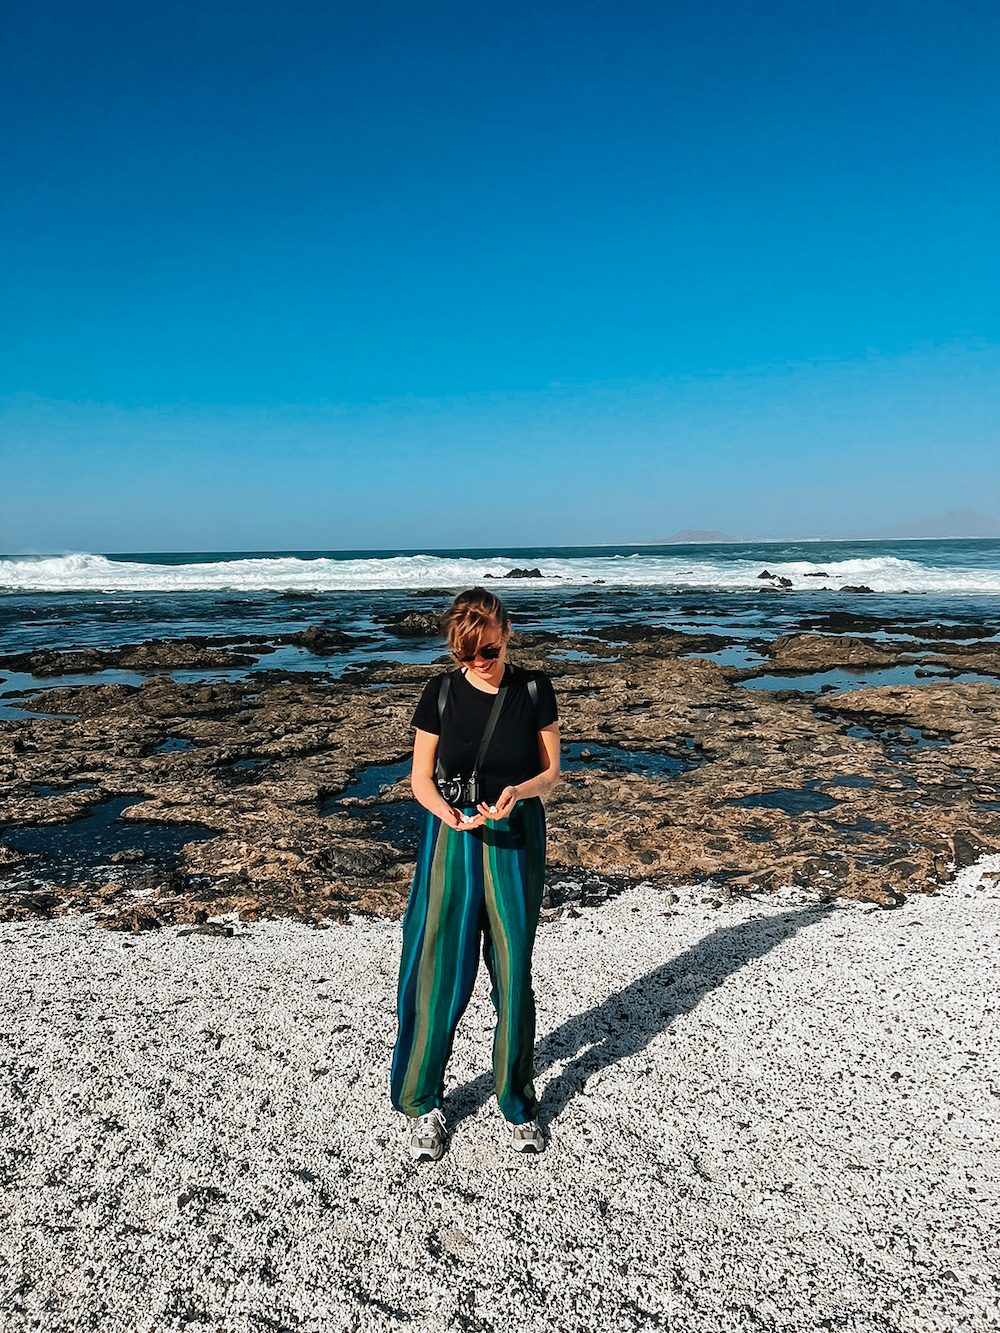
{"x": 493, "y": 809}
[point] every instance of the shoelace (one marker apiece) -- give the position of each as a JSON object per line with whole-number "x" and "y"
{"x": 430, "y": 1124}
{"x": 528, "y": 1129}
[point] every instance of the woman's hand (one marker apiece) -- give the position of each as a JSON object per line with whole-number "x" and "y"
{"x": 509, "y": 797}
{"x": 425, "y": 788}
{"x": 462, "y": 823}
{"x": 540, "y": 785}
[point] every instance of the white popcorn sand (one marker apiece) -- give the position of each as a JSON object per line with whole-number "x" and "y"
{"x": 775, "y": 1116}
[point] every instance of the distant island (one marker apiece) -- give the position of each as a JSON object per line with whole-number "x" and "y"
{"x": 957, "y": 523}
{"x": 693, "y": 536}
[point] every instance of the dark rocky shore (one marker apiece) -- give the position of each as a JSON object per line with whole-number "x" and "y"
{"x": 261, "y": 795}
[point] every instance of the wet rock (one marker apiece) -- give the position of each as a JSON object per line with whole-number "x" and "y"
{"x": 843, "y": 622}
{"x": 977, "y": 656}
{"x": 12, "y": 860}
{"x": 153, "y": 655}
{"x": 85, "y": 661}
{"x": 645, "y": 640}
{"x": 184, "y": 654}
{"x": 129, "y": 856}
{"x": 856, "y": 587}
{"x": 936, "y": 631}
{"x": 889, "y": 899}
{"x": 321, "y": 640}
{"x": 898, "y": 827}
{"x": 968, "y": 847}
{"x": 818, "y": 652}
{"x": 766, "y": 574}
{"x": 517, "y": 573}
{"x": 41, "y": 903}
{"x": 132, "y": 920}
{"x": 909, "y": 874}
{"x": 415, "y": 625}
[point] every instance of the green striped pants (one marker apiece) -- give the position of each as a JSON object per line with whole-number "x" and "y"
{"x": 485, "y": 885}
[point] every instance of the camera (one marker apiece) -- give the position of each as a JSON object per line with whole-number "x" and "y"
{"x": 461, "y": 791}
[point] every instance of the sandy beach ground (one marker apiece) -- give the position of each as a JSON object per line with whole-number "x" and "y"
{"x": 775, "y": 1115}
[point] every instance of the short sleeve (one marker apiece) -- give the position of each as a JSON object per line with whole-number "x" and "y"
{"x": 426, "y": 716}
{"x": 547, "y": 710}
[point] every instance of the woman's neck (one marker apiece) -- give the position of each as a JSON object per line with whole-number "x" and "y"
{"x": 485, "y": 686}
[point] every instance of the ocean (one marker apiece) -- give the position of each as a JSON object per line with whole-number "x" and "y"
{"x": 104, "y": 600}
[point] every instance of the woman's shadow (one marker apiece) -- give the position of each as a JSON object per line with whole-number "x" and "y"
{"x": 628, "y": 1020}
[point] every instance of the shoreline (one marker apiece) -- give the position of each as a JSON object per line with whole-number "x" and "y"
{"x": 680, "y": 767}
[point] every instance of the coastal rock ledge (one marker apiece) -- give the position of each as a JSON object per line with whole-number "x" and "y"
{"x": 870, "y": 794}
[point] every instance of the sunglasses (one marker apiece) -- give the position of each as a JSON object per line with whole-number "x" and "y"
{"x": 489, "y": 653}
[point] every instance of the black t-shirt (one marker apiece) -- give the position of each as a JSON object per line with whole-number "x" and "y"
{"x": 513, "y": 755}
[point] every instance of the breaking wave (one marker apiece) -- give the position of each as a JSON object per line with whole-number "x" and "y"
{"x": 720, "y": 570}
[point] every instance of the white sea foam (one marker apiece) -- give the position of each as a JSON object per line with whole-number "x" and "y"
{"x": 98, "y": 573}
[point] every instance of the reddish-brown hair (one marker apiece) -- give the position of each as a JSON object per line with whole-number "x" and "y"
{"x": 470, "y": 618}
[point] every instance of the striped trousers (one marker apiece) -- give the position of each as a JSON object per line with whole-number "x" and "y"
{"x": 470, "y": 890}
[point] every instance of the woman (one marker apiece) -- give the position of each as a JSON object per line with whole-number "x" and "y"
{"x": 480, "y": 870}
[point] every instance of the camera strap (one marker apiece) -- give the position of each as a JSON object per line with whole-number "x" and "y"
{"x": 491, "y": 722}
{"x": 443, "y": 691}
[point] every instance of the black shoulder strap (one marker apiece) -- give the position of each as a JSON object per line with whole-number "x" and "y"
{"x": 443, "y": 690}
{"x": 490, "y": 724}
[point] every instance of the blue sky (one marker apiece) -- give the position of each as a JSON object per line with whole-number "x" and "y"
{"x": 340, "y": 275}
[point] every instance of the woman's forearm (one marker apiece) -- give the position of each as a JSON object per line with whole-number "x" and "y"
{"x": 427, "y": 794}
{"x": 538, "y": 786}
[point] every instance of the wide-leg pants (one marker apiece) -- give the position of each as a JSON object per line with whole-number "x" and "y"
{"x": 481, "y": 886}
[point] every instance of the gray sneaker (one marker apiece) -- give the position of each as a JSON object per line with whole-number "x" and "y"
{"x": 428, "y": 1135}
{"x": 527, "y": 1137}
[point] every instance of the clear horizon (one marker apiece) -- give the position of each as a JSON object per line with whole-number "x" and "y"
{"x": 498, "y": 548}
